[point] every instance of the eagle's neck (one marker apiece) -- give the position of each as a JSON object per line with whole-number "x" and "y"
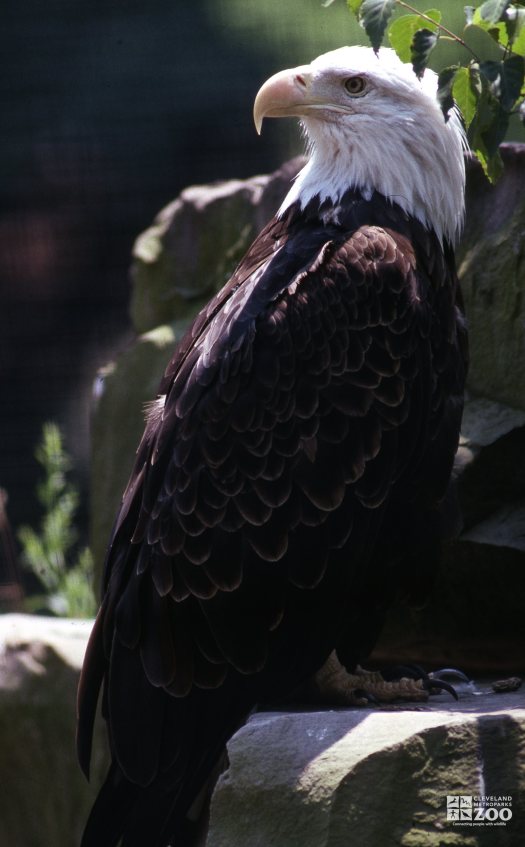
{"x": 422, "y": 173}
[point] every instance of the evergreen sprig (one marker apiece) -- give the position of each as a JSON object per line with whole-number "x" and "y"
{"x": 65, "y": 572}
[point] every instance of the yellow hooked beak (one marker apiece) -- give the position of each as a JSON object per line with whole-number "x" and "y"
{"x": 286, "y": 94}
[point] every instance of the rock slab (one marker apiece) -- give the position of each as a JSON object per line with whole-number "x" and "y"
{"x": 474, "y": 616}
{"x": 373, "y": 778}
{"x": 369, "y": 778}
{"x": 44, "y": 797}
{"x": 491, "y": 266}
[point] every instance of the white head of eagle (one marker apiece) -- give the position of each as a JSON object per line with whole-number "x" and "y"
{"x": 372, "y": 125}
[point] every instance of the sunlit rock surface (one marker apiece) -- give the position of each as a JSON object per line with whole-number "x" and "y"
{"x": 374, "y": 778}
{"x": 44, "y": 798}
{"x": 363, "y": 777}
{"x": 121, "y": 393}
{"x": 491, "y": 265}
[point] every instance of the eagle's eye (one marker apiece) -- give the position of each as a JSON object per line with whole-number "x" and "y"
{"x": 356, "y": 85}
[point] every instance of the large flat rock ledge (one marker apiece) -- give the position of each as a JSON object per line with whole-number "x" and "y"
{"x": 372, "y": 778}
{"x": 344, "y": 778}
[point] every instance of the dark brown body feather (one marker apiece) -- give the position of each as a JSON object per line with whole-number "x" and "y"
{"x": 289, "y": 486}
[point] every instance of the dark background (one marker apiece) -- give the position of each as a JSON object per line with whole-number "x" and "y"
{"x": 109, "y": 108}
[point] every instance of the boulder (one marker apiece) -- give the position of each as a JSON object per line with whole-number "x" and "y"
{"x": 195, "y": 243}
{"x": 480, "y": 595}
{"x": 473, "y": 617}
{"x": 490, "y": 462}
{"x": 45, "y": 798}
{"x": 322, "y": 778}
{"x": 375, "y": 778}
{"x": 491, "y": 264}
{"x": 122, "y": 390}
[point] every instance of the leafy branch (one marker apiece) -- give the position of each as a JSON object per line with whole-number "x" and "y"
{"x": 427, "y": 16}
{"x": 487, "y": 91}
{"x": 65, "y": 572}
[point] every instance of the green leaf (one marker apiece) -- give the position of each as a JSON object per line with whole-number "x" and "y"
{"x": 517, "y": 39}
{"x": 374, "y": 16}
{"x": 497, "y": 31}
{"x": 493, "y": 122}
{"x": 487, "y": 130}
{"x": 506, "y": 79}
{"x": 492, "y": 165}
{"x": 444, "y": 90}
{"x": 512, "y": 81}
{"x": 76, "y": 588}
{"x": 422, "y": 45}
{"x": 354, "y": 5}
{"x": 491, "y": 70}
{"x": 402, "y": 31}
{"x": 493, "y": 10}
{"x": 48, "y": 551}
{"x": 466, "y": 90}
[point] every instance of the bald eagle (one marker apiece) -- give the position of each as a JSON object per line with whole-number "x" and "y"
{"x": 293, "y": 470}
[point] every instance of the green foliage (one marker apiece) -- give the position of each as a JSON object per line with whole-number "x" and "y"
{"x": 492, "y": 10}
{"x": 65, "y": 573}
{"x": 403, "y": 30}
{"x": 486, "y": 90}
{"x": 466, "y": 89}
{"x": 373, "y": 16}
{"x": 422, "y": 44}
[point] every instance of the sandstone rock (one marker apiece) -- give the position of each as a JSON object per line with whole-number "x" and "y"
{"x": 490, "y": 462}
{"x": 473, "y": 617}
{"x": 481, "y": 591}
{"x": 121, "y": 393}
{"x": 44, "y": 798}
{"x": 485, "y": 421}
{"x": 195, "y": 243}
{"x": 370, "y": 777}
{"x": 326, "y": 779}
{"x": 505, "y": 528}
{"x": 491, "y": 263}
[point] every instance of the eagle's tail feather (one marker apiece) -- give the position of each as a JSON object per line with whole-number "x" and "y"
{"x": 111, "y": 811}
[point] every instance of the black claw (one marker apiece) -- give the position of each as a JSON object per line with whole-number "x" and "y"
{"x": 438, "y": 685}
{"x": 452, "y": 672}
{"x": 432, "y": 682}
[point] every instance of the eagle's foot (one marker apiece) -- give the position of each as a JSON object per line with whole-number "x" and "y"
{"x": 333, "y": 684}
